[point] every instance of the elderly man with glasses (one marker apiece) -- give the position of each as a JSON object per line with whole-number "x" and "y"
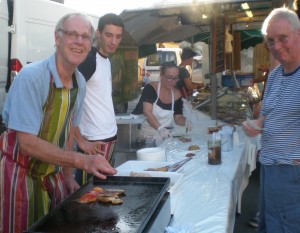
{"x": 43, "y": 105}
{"x": 279, "y": 119}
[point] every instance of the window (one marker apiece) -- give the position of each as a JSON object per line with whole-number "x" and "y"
{"x": 160, "y": 57}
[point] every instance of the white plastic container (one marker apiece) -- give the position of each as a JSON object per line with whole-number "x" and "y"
{"x": 227, "y": 138}
{"x": 151, "y": 154}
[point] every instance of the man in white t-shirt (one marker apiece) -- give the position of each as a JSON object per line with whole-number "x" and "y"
{"x": 97, "y": 132}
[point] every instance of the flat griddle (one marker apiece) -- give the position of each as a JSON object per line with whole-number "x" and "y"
{"x": 142, "y": 196}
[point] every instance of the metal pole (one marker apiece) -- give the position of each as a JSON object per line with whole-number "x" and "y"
{"x": 213, "y": 77}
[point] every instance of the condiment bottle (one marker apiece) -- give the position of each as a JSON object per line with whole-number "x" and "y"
{"x": 214, "y": 149}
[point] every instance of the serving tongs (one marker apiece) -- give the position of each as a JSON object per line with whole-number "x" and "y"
{"x": 176, "y": 166}
{"x": 171, "y": 168}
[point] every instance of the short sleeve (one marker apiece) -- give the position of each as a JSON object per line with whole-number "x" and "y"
{"x": 88, "y": 66}
{"x": 183, "y": 73}
{"x": 149, "y": 95}
{"x": 26, "y": 100}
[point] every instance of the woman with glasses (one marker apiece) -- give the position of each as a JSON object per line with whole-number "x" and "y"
{"x": 161, "y": 102}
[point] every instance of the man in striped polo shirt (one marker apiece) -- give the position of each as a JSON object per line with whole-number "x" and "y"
{"x": 280, "y": 122}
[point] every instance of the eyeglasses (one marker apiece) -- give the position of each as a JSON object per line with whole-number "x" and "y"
{"x": 282, "y": 40}
{"x": 74, "y": 35}
{"x": 171, "y": 78}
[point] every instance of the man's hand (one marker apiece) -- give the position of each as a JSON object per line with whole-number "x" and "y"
{"x": 98, "y": 166}
{"x": 70, "y": 184}
{"x": 91, "y": 148}
{"x": 250, "y": 130}
{"x": 88, "y": 147}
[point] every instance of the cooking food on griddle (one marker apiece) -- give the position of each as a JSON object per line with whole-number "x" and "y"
{"x": 109, "y": 197}
{"x": 194, "y": 147}
{"x": 103, "y": 195}
{"x": 91, "y": 196}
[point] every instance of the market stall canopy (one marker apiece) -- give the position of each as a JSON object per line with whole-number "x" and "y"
{"x": 250, "y": 38}
{"x": 173, "y": 21}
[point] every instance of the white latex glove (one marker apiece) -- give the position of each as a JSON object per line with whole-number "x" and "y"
{"x": 188, "y": 125}
{"x": 163, "y": 132}
{"x": 158, "y": 140}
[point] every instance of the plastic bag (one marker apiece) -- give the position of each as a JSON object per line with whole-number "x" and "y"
{"x": 253, "y": 94}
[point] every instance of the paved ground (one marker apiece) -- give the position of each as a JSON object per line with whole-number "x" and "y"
{"x": 249, "y": 205}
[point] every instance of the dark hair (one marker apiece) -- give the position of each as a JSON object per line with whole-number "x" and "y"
{"x": 187, "y": 53}
{"x": 110, "y": 18}
{"x": 166, "y": 65}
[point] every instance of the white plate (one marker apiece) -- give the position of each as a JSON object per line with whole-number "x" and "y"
{"x": 139, "y": 166}
{"x": 185, "y": 151}
{"x": 174, "y": 176}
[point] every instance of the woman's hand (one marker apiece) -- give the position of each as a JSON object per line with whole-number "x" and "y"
{"x": 164, "y": 132}
{"x": 188, "y": 125}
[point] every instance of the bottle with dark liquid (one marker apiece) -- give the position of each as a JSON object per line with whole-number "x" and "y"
{"x": 214, "y": 149}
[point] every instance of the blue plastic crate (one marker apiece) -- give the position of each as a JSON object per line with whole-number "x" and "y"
{"x": 244, "y": 80}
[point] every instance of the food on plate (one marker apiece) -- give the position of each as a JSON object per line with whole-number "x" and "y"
{"x": 194, "y": 147}
{"x": 139, "y": 174}
{"x": 183, "y": 139}
{"x": 103, "y": 195}
{"x": 188, "y": 155}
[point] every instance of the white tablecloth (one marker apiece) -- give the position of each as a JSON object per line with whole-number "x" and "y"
{"x": 207, "y": 197}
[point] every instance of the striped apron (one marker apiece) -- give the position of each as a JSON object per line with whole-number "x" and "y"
{"x": 29, "y": 188}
